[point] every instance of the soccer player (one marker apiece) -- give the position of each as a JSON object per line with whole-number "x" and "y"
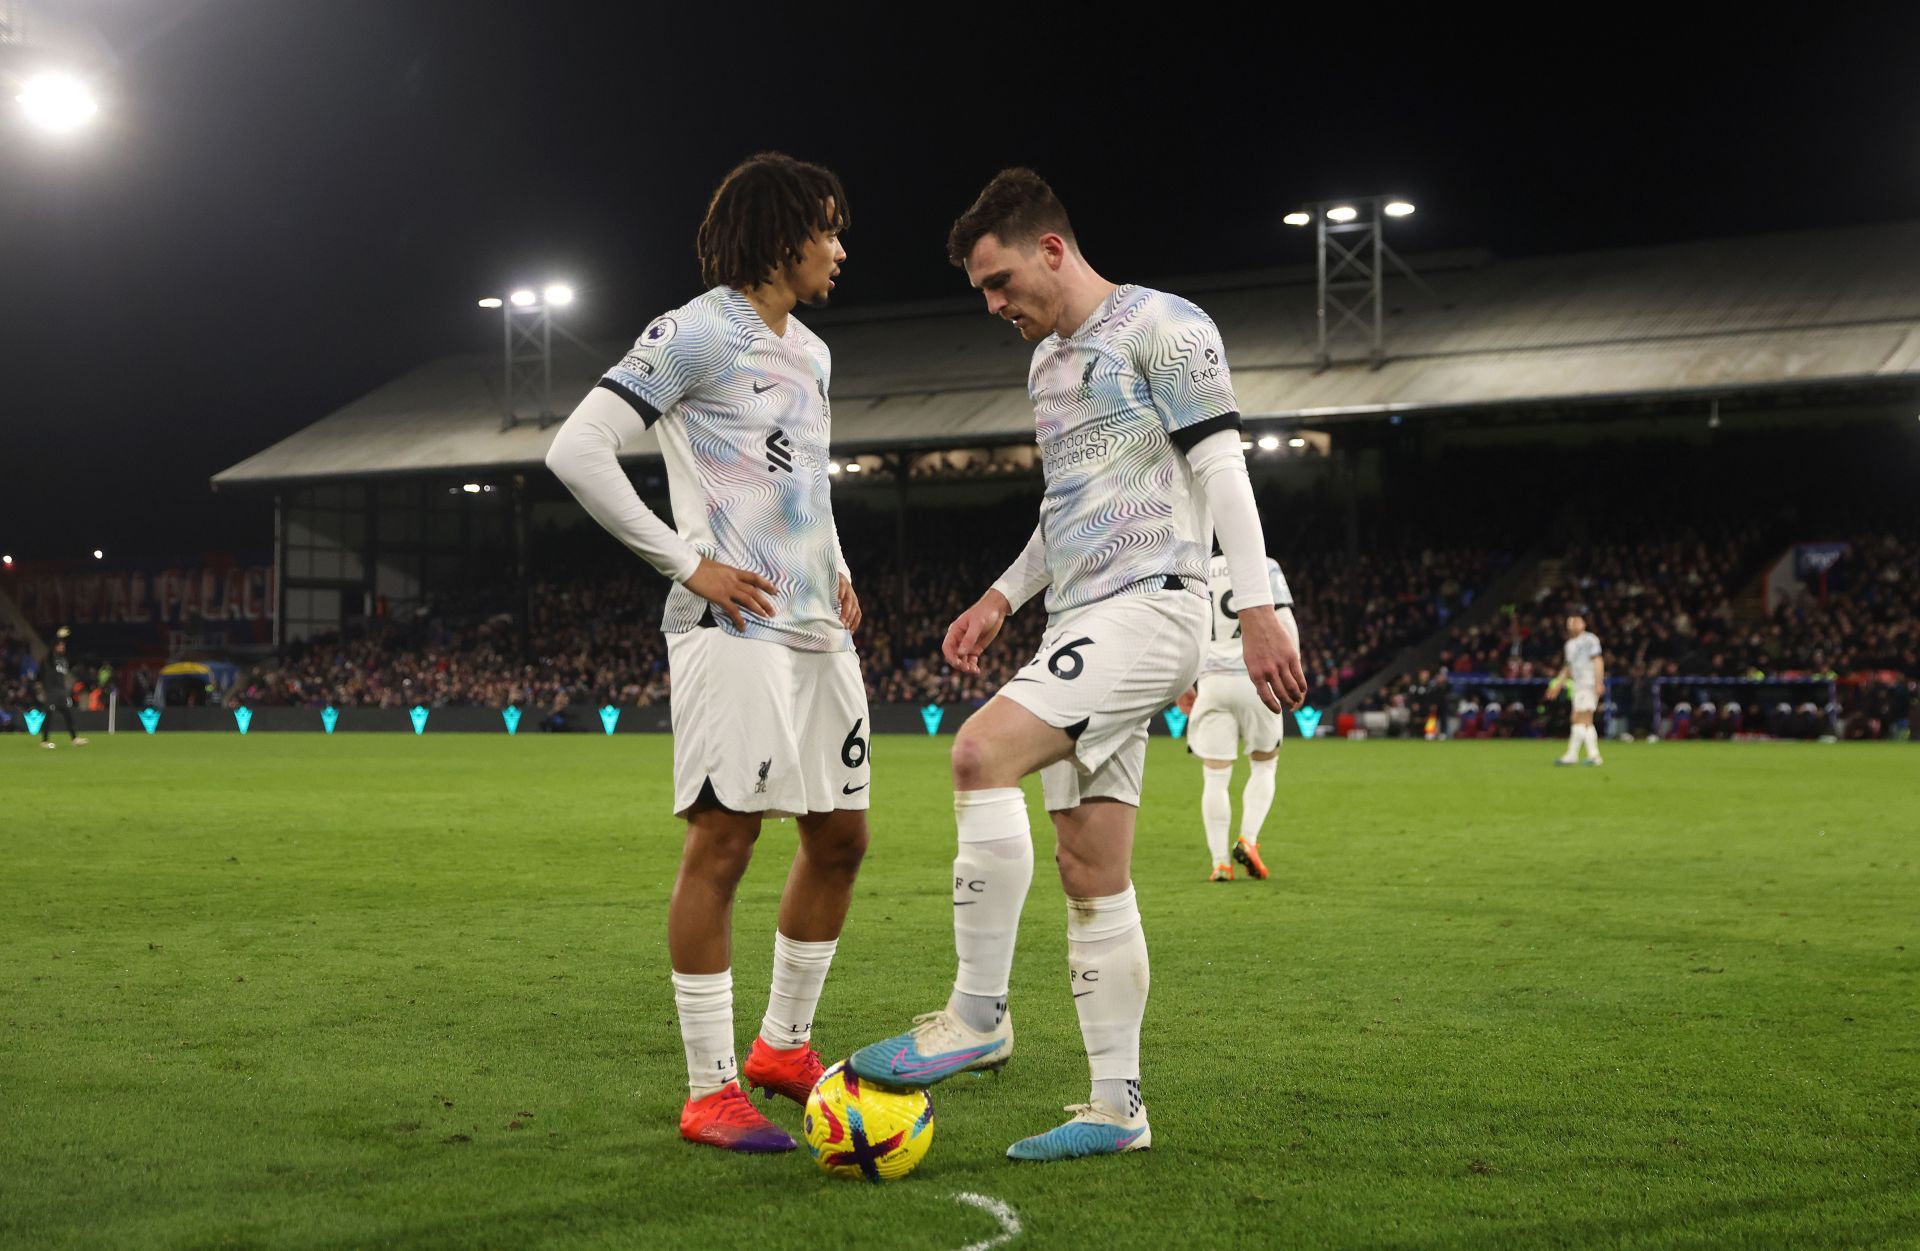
{"x": 1585, "y": 674}
{"x": 56, "y": 691}
{"x": 769, "y": 710}
{"x": 1223, "y": 714}
{"x": 1140, "y": 437}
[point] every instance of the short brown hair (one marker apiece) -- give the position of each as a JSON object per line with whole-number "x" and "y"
{"x": 762, "y": 215}
{"x": 1018, "y": 206}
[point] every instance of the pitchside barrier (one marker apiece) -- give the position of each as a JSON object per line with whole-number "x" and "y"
{"x": 575, "y": 719}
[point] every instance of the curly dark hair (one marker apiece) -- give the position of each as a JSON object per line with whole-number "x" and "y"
{"x": 1018, "y": 206}
{"x": 762, "y": 215}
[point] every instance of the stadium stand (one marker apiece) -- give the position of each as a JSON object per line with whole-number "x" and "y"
{"x": 1544, "y": 432}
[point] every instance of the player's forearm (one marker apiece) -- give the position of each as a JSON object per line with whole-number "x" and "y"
{"x": 1221, "y": 468}
{"x": 1288, "y": 624}
{"x": 1027, "y": 576}
{"x": 840, "y": 556}
{"x": 585, "y": 456}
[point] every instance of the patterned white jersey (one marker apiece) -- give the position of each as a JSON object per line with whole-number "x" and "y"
{"x": 743, "y": 422}
{"x": 1581, "y": 651}
{"x": 1116, "y": 406}
{"x": 1224, "y": 651}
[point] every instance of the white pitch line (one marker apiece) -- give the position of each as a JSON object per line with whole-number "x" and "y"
{"x": 1009, "y": 1223}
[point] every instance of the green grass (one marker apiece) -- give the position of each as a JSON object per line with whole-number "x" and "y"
{"x": 385, "y": 991}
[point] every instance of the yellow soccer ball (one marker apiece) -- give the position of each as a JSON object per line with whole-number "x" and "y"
{"x": 857, "y": 1129}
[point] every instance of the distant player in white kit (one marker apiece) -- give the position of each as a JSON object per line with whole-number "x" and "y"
{"x": 769, "y": 710}
{"x": 1139, "y": 435}
{"x": 1585, "y": 673}
{"x": 1224, "y": 714}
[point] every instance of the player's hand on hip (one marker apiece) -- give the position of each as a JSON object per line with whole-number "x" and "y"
{"x": 1273, "y": 659}
{"x": 1185, "y": 702}
{"x": 849, "y": 605}
{"x": 730, "y": 590}
{"x": 973, "y": 630}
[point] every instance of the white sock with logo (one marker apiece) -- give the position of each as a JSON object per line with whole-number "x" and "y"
{"x": 991, "y": 873}
{"x": 1256, "y": 799}
{"x": 1216, "y": 809}
{"x": 1107, "y": 960}
{"x": 799, "y": 971}
{"x": 705, "y": 1005}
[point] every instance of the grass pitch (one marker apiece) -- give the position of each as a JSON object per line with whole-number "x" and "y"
{"x": 298, "y": 991}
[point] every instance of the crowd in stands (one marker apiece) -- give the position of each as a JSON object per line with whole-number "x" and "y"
{"x": 17, "y": 687}
{"x": 1670, "y": 591}
{"x": 1666, "y": 610}
{"x": 1357, "y": 615}
{"x": 592, "y": 641}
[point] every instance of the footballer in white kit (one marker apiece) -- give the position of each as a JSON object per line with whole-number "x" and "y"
{"x": 1139, "y": 435}
{"x": 769, "y": 709}
{"x": 1224, "y": 714}
{"x": 1584, "y": 673}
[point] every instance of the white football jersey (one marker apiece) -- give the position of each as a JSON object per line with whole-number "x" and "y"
{"x": 1581, "y": 651}
{"x": 1224, "y": 653}
{"x": 744, "y": 425}
{"x": 1117, "y": 405}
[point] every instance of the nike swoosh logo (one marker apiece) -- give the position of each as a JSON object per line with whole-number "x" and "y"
{"x": 760, "y": 390}
{"x": 848, "y": 790}
{"x": 914, "y": 1068}
{"x": 961, "y": 903}
{"x": 1011, "y": 681}
{"x": 1083, "y": 994}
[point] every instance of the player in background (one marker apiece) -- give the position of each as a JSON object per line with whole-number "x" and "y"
{"x": 56, "y": 691}
{"x": 1224, "y": 714}
{"x": 1139, "y": 435}
{"x": 769, "y": 710}
{"x": 1585, "y": 674}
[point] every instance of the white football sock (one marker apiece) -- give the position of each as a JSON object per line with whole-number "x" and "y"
{"x": 1122, "y": 1097}
{"x": 1216, "y": 809}
{"x": 1574, "y": 739}
{"x": 1593, "y": 741}
{"x": 991, "y": 873}
{"x": 1256, "y": 799}
{"x": 799, "y": 971}
{"x": 1107, "y": 958}
{"x": 705, "y": 1005}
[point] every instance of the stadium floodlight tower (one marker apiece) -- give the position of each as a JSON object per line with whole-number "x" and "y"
{"x": 527, "y": 319}
{"x": 1351, "y": 258}
{"x": 34, "y": 70}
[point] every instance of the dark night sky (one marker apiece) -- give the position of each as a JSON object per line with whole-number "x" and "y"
{"x": 291, "y": 202}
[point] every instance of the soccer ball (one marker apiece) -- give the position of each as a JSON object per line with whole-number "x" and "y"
{"x": 857, "y": 1129}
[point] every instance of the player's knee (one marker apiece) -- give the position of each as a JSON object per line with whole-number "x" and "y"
{"x": 1075, "y": 868}
{"x": 840, "y": 850}
{"x": 1081, "y": 878}
{"x": 1064, "y": 860}
{"x": 972, "y": 761}
{"x": 720, "y": 853}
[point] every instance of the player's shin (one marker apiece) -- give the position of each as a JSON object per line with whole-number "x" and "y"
{"x": 1257, "y": 799}
{"x": 704, "y": 1002}
{"x": 992, "y": 871}
{"x": 799, "y": 973}
{"x": 1107, "y": 958}
{"x": 1216, "y": 809}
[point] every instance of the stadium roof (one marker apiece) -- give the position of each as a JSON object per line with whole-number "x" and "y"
{"x": 1717, "y": 318}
